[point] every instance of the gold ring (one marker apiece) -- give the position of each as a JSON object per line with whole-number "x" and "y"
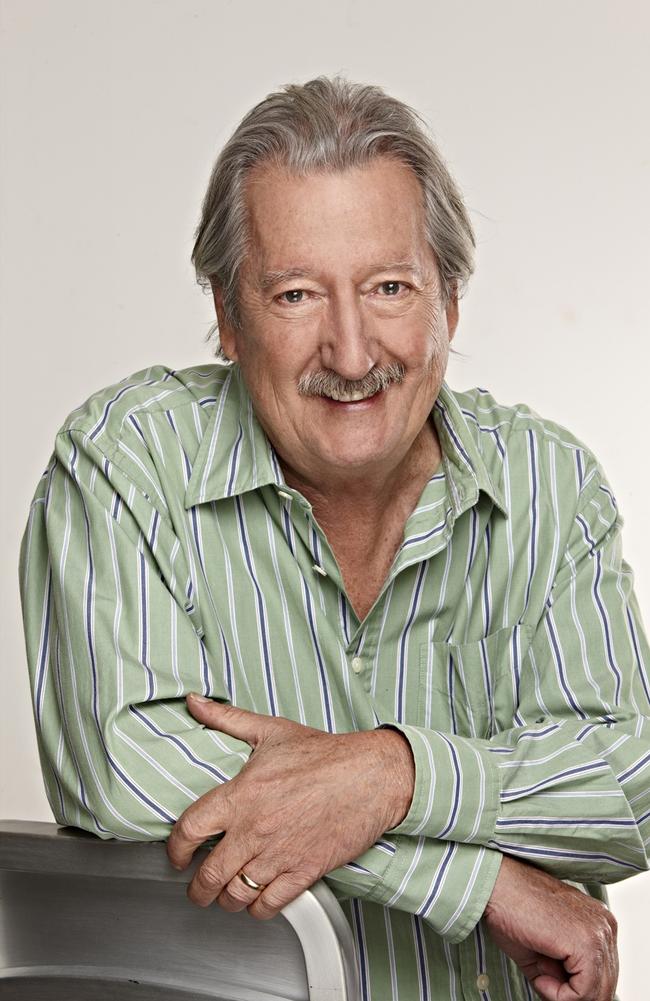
{"x": 250, "y": 882}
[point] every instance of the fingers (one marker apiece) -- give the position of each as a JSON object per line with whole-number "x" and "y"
{"x": 597, "y": 987}
{"x": 280, "y": 892}
{"x": 550, "y": 989}
{"x": 236, "y": 895}
{"x": 596, "y": 970}
{"x": 219, "y": 869}
{"x": 217, "y": 878}
{"x": 594, "y": 981}
{"x": 203, "y": 819}
{"x": 548, "y": 977}
{"x": 236, "y": 722}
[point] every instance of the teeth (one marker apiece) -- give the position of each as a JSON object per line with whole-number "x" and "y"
{"x": 349, "y": 397}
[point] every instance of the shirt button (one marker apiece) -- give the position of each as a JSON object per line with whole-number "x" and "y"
{"x": 319, "y": 570}
{"x": 357, "y": 664}
{"x": 482, "y": 981}
{"x": 283, "y": 493}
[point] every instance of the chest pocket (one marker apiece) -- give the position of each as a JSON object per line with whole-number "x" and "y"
{"x": 472, "y": 689}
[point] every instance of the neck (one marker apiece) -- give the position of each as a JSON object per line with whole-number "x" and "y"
{"x": 370, "y": 497}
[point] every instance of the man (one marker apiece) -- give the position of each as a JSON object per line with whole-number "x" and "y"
{"x": 410, "y": 603}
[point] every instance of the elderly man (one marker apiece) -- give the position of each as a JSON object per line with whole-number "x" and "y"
{"x": 410, "y": 603}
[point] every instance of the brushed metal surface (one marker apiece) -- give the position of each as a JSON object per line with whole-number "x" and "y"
{"x": 49, "y": 987}
{"x": 82, "y": 918}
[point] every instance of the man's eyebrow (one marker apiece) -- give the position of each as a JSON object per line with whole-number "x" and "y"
{"x": 394, "y": 266}
{"x": 271, "y": 278}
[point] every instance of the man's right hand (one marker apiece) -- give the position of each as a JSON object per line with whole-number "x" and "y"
{"x": 563, "y": 940}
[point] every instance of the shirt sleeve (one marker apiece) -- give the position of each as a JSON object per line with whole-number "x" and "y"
{"x": 570, "y": 790}
{"x": 113, "y": 650}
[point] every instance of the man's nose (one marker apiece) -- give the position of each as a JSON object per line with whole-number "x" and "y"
{"x": 346, "y": 340}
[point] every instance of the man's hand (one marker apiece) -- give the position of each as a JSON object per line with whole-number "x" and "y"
{"x": 563, "y": 940}
{"x": 304, "y": 803}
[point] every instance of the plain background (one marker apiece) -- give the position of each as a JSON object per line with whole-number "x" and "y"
{"x": 111, "y": 116}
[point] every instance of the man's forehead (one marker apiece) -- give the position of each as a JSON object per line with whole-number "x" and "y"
{"x": 364, "y": 219}
{"x": 274, "y": 195}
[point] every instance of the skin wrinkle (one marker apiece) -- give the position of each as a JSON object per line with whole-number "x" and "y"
{"x": 366, "y": 215}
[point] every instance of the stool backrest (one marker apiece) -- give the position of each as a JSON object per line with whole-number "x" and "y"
{"x": 84, "y": 919}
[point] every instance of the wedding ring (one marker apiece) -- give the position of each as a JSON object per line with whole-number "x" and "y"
{"x": 250, "y": 882}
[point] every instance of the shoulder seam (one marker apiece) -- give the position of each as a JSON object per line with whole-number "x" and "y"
{"x": 520, "y": 421}
{"x": 109, "y": 456}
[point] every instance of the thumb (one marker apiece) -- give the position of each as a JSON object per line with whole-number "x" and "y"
{"x": 236, "y": 722}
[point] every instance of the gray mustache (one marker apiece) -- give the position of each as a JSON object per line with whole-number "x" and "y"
{"x": 326, "y": 383}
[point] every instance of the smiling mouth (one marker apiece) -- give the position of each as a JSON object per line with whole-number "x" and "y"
{"x": 351, "y": 399}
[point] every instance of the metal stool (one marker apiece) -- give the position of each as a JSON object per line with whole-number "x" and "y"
{"x": 83, "y": 919}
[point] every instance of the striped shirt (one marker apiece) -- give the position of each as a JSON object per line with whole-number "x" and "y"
{"x": 165, "y": 553}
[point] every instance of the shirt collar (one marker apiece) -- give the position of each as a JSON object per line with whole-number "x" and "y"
{"x": 235, "y": 454}
{"x": 465, "y": 467}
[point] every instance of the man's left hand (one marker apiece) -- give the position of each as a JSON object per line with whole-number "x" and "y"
{"x": 305, "y": 803}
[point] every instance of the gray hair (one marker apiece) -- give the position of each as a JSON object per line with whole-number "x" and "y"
{"x": 325, "y": 124}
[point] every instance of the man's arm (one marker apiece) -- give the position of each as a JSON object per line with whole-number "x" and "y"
{"x": 113, "y": 650}
{"x": 307, "y": 800}
{"x": 570, "y": 792}
{"x": 568, "y": 782}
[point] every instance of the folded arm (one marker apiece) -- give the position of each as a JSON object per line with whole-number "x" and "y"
{"x": 569, "y": 792}
{"x": 113, "y": 649}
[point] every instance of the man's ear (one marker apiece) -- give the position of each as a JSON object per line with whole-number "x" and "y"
{"x": 452, "y": 313}
{"x": 226, "y": 330}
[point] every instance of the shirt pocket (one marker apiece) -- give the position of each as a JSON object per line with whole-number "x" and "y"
{"x": 472, "y": 689}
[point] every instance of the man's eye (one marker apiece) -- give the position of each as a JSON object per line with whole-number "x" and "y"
{"x": 293, "y": 295}
{"x": 390, "y": 288}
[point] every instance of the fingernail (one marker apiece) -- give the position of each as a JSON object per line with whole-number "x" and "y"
{"x": 197, "y": 697}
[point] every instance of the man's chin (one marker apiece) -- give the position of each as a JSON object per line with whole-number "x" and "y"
{"x": 353, "y": 458}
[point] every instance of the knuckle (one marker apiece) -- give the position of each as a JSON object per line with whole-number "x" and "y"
{"x": 209, "y": 876}
{"x": 273, "y": 900}
{"x": 230, "y": 902}
{"x": 199, "y": 901}
{"x": 187, "y": 828}
{"x": 266, "y": 825}
{"x": 607, "y": 933}
{"x": 260, "y": 911}
{"x": 310, "y": 875}
{"x": 238, "y": 891}
{"x": 596, "y": 939}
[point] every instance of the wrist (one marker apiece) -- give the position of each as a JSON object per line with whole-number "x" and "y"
{"x": 508, "y": 877}
{"x": 399, "y": 768}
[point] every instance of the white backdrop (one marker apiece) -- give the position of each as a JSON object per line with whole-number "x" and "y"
{"x": 111, "y": 115}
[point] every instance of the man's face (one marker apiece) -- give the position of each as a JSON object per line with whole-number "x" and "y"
{"x": 340, "y": 284}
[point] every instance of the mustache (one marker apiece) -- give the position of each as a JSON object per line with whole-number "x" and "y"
{"x": 328, "y": 382}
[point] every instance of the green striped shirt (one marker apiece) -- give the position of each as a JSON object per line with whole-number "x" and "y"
{"x": 165, "y": 554}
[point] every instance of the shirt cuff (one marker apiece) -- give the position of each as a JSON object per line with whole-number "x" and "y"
{"x": 448, "y": 885}
{"x": 456, "y": 795}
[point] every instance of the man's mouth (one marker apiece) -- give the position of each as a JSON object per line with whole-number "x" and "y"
{"x": 350, "y": 397}
{"x": 355, "y": 400}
